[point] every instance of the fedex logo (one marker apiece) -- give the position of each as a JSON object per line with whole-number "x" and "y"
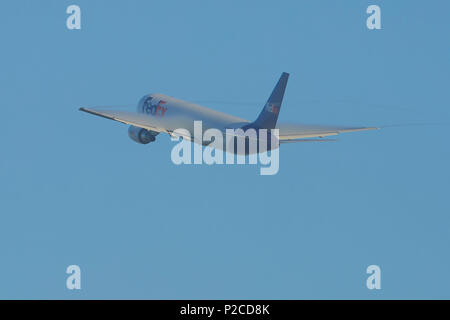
{"x": 271, "y": 107}
{"x": 157, "y": 109}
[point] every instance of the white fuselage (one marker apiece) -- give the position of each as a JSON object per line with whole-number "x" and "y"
{"x": 176, "y": 114}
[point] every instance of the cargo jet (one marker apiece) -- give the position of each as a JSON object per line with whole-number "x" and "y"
{"x": 158, "y": 113}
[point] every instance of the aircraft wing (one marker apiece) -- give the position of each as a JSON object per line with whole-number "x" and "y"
{"x": 288, "y": 132}
{"x": 298, "y": 132}
{"x": 132, "y": 118}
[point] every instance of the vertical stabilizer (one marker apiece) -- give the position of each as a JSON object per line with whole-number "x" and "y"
{"x": 268, "y": 117}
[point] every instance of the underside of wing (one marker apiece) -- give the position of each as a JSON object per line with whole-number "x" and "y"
{"x": 298, "y": 132}
{"x": 132, "y": 118}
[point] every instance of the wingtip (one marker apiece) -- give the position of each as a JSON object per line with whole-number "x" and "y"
{"x": 85, "y": 110}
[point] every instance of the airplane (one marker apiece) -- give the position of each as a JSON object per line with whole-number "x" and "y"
{"x": 159, "y": 113}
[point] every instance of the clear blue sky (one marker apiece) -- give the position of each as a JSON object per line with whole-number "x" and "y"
{"x": 76, "y": 190}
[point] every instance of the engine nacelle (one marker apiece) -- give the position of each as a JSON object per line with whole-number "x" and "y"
{"x": 141, "y": 135}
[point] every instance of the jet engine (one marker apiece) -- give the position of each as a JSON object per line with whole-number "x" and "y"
{"x": 142, "y": 136}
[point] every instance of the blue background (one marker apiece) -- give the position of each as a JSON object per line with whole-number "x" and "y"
{"x": 76, "y": 190}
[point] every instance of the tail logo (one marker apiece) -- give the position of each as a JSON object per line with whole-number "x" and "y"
{"x": 272, "y": 108}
